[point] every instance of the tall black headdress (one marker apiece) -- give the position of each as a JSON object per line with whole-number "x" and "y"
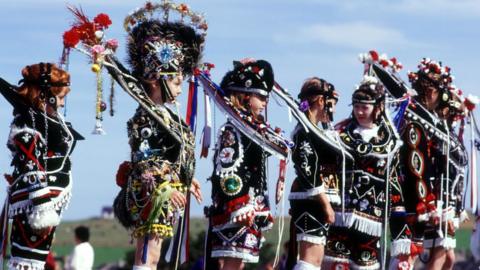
{"x": 254, "y": 77}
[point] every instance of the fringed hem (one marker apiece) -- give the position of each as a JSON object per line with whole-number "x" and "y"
{"x": 319, "y": 240}
{"x": 306, "y": 194}
{"x": 58, "y": 203}
{"x": 246, "y": 258}
{"x": 43, "y": 219}
{"x": 17, "y": 263}
{"x": 334, "y": 198}
{"x": 43, "y": 215}
{"x": 361, "y": 224}
{"x": 400, "y": 247}
{"x": 446, "y": 243}
{"x": 160, "y": 230}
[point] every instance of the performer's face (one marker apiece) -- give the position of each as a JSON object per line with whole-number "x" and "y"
{"x": 432, "y": 97}
{"x": 175, "y": 85}
{"x": 257, "y": 104}
{"x": 363, "y": 114}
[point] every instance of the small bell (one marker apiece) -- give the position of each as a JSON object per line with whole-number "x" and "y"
{"x": 98, "y": 129}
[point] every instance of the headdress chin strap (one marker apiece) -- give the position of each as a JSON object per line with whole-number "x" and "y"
{"x": 165, "y": 91}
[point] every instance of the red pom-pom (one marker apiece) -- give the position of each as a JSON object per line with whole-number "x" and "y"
{"x": 415, "y": 249}
{"x": 430, "y": 197}
{"x": 374, "y": 55}
{"x": 102, "y": 20}
{"x": 122, "y": 173}
{"x": 421, "y": 208}
{"x": 384, "y": 63}
{"x": 71, "y": 38}
{"x": 469, "y": 104}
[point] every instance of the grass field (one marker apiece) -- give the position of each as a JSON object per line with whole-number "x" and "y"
{"x": 111, "y": 241}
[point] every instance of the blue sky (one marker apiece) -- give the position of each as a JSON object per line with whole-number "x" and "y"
{"x": 301, "y": 38}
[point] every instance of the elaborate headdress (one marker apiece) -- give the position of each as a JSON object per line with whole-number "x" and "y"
{"x": 249, "y": 76}
{"x": 431, "y": 72}
{"x": 159, "y": 47}
{"x": 370, "y": 91}
{"x": 323, "y": 88}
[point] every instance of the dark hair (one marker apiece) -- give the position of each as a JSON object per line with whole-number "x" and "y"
{"x": 314, "y": 86}
{"x": 82, "y": 233}
{"x": 371, "y": 93}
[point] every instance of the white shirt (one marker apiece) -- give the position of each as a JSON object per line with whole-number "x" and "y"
{"x": 367, "y": 133}
{"x": 81, "y": 258}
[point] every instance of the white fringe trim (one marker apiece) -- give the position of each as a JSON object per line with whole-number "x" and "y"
{"x": 17, "y": 263}
{"x": 400, "y": 247}
{"x": 359, "y": 223}
{"x": 247, "y": 258}
{"x": 43, "y": 219}
{"x": 59, "y": 203}
{"x": 334, "y": 198}
{"x": 306, "y": 194}
{"x": 319, "y": 240}
{"x": 446, "y": 243}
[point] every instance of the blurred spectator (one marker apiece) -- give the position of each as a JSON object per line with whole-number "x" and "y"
{"x": 82, "y": 255}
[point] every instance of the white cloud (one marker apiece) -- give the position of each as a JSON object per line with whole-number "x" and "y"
{"x": 450, "y": 8}
{"x": 356, "y": 35}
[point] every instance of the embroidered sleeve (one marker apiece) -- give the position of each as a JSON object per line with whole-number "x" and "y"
{"x": 399, "y": 228}
{"x": 306, "y": 163}
{"x": 28, "y": 149}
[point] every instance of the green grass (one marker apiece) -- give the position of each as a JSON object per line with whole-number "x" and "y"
{"x": 111, "y": 241}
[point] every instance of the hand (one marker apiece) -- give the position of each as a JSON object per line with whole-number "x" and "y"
{"x": 196, "y": 190}
{"x": 178, "y": 199}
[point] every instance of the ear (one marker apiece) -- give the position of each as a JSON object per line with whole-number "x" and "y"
{"x": 321, "y": 102}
